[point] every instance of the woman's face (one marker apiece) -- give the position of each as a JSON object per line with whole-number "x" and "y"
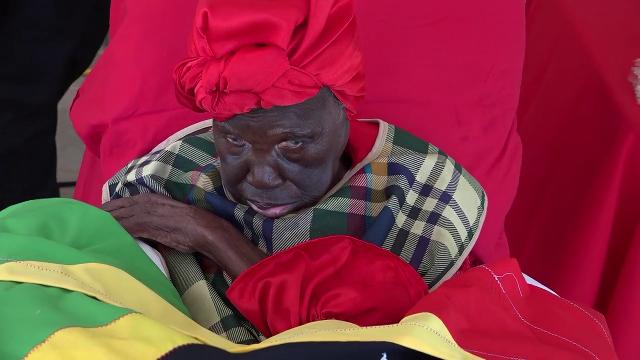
{"x": 286, "y": 158}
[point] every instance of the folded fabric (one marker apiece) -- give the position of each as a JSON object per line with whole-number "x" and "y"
{"x": 73, "y": 283}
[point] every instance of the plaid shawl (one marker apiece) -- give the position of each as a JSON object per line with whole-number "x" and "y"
{"x": 406, "y": 196}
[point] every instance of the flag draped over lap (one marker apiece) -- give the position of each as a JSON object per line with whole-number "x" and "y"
{"x": 73, "y": 282}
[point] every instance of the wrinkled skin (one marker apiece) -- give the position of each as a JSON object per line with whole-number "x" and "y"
{"x": 285, "y": 159}
{"x": 277, "y": 161}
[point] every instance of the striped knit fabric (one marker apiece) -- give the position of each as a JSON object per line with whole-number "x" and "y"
{"x": 407, "y": 196}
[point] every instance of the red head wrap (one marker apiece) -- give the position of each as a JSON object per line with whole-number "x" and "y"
{"x": 249, "y": 54}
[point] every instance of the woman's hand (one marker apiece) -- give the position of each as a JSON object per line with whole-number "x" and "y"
{"x": 161, "y": 219}
{"x": 185, "y": 228}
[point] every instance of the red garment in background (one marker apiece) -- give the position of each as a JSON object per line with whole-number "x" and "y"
{"x": 127, "y": 105}
{"x": 447, "y": 71}
{"x": 575, "y": 224}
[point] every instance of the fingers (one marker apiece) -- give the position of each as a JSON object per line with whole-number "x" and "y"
{"x": 155, "y": 233}
{"x": 135, "y": 228}
{"x": 158, "y": 218}
{"x": 118, "y": 204}
{"x": 147, "y": 199}
{"x": 154, "y": 229}
{"x": 123, "y": 213}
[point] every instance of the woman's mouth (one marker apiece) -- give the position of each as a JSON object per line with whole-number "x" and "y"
{"x": 271, "y": 210}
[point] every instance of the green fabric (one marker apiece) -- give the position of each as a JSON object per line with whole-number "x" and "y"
{"x": 31, "y": 313}
{"x": 69, "y": 232}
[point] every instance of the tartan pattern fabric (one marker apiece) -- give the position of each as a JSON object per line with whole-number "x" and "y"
{"x": 411, "y": 199}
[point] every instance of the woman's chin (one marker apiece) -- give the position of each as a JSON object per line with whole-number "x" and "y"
{"x": 273, "y": 211}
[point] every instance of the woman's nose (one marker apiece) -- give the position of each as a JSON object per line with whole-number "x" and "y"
{"x": 264, "y": 176}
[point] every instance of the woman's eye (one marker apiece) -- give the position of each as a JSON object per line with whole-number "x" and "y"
{"x": 291, "y": 144}
{"x": 234, "y": 140}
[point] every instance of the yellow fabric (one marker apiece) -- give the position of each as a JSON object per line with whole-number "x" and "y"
{"x": 423, "y": 332}
{"x": 112, "y": 286}
{"x": 133, "y": 336}
{"x": 159, "y": 327}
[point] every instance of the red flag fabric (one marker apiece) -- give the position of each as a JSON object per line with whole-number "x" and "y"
{"x": 492, "y": 312}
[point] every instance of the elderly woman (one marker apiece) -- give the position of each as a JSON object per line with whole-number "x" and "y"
{"x": 284, "y": 162}
{"x": 283, "y": 214}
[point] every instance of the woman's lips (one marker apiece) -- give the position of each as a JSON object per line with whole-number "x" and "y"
{"x": 271, "y": 210}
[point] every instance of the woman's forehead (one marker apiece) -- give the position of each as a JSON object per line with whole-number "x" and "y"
{"x": 311, "y": 115}
{"x": 279, "y": 120}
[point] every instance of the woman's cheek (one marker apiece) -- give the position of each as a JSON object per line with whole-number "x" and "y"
{"x": 314, "y": 181}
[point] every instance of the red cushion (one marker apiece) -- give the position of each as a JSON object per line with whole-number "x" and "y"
{"x": 336, "y": 277}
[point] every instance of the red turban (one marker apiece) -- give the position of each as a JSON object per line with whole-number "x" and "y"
{"x": 249, "y": 54}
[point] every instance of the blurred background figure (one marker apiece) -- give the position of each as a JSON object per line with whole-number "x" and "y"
{"x": 575, "y": 222}
{"x": 44, "y": 46}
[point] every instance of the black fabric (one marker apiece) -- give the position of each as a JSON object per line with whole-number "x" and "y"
{"x": 306, "y": 351}
{"x": 44, "y": 46}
